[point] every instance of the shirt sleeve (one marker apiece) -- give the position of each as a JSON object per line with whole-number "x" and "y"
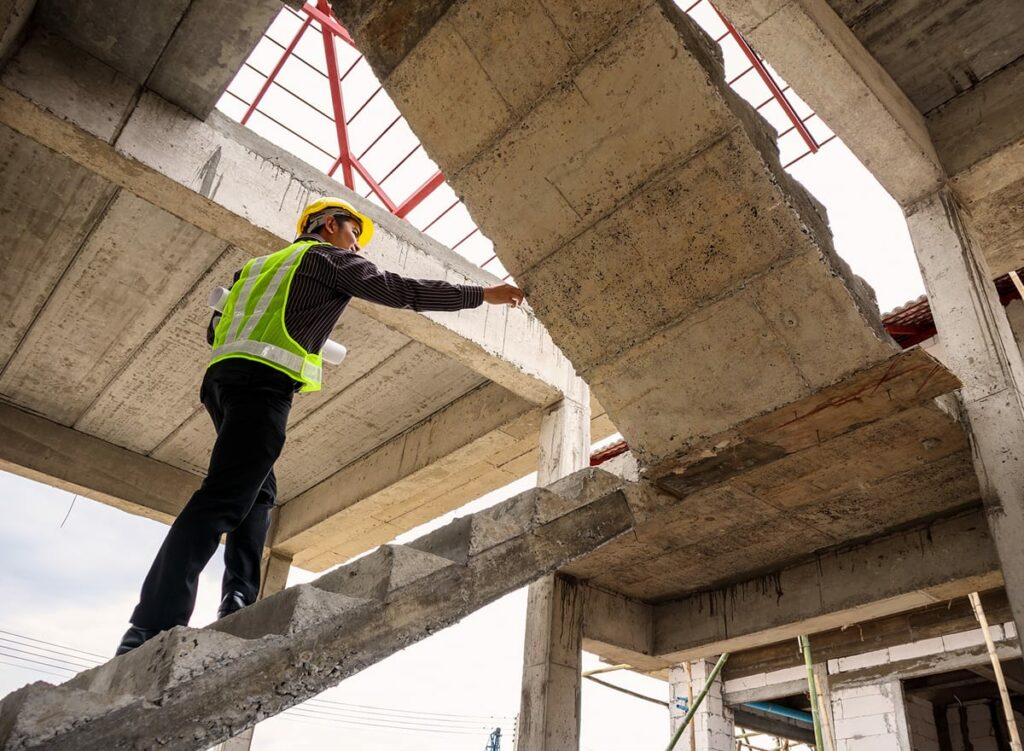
{"x": 358, "y": 277}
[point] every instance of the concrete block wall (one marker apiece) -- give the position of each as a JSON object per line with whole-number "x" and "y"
{"x": 924, "y": 735}
{"x": 712, "y": 728}
{"x": 970, "y": 727}
{"x": 871, "y": 717}
{"x": 869, "y": 707}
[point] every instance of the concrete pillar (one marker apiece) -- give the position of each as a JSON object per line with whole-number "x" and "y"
{"x": 549, "y": 713}
{"x": 712, "y": 728}
{"x": 979, "y": 347}
{"x": 274, "y": 579}
{"x": 1015, "y": 315}
{"x": 871, "y": 717}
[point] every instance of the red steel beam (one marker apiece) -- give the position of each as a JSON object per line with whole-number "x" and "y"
{"x": 422, "y": 192}
{"x": 328, "y": 22}
{"x": 333, "y": 78}
{"x": 374, "y": 186}
{"x": 769, "y": 81}
{"x": 277, "y": 69}
{"x": 441, "y": 215}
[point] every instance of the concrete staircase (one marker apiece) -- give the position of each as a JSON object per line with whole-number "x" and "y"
{"x": 191, "y": 688}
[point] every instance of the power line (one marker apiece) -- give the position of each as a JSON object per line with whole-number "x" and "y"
{"x": 35, "y": 662}
{"x": 51, "y": 644}
{"x": 311, "y": 714}
{"x": 59, "y": 657}
{"x": 34, "y": 670}
{"x": 488, "y": 718}
{"x": 44, "y": 656}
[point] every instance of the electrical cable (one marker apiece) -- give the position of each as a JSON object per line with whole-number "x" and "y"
{"x": 34, "y": 670}
{"x": 78, "y": 665}
{"x": 59, "y": 657}
{"x": 51, "y": 644}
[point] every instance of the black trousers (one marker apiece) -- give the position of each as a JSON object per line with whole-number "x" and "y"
{"x": 249, "y": 403}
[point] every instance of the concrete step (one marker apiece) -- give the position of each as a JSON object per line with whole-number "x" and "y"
{"x": 288, "y": 612}
{"x": 386, "y": 569}
{"x": 192, "y": 688}
{"x": 34, "y": 715}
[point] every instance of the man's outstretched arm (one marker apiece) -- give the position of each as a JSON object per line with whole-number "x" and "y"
{"x": 358, "y": 277}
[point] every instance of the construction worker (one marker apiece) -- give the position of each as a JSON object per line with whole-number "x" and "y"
{"x": 266, "y": 346}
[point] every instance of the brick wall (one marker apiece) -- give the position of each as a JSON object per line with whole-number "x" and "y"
{"x": 870, "y": 718}
{"x": 924, "y": 736}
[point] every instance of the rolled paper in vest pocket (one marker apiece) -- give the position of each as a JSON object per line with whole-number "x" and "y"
{"x": 218, "y": 296}
{"x": 333, "y": 352}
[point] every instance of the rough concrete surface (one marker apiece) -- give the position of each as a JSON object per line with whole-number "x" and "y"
{"x": 88, "y": 165}
{"x": 189, "y": 688}
{"x": 658, "y": 238}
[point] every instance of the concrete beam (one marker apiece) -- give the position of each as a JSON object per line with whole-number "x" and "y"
{"x": 41, "y": 450}
{"x": 192, "y": 688}
{"x": 949, "y": 558}
{"x": 205, "y": 172}
{"x": 980, "y": 138}
{"x": 931, "y": 622}
{"x": 831, "y": 70}
{"x": 620, "y": 630}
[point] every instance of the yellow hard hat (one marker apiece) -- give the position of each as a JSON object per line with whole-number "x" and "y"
{"x": 366, "y": 229}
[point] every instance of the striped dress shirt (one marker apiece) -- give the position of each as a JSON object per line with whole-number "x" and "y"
{"x": 328, "y": 278}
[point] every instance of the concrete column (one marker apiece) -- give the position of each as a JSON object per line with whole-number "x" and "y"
{"x": 871, "y": 717}
{"x": 549, "y": 713}
{"x": 712, "y": 728}
{"x": 565, "y": 435}
{"x": 979, "y": 347}
{"x": 1015, "y": 315}
{"x": 274, "y": 579}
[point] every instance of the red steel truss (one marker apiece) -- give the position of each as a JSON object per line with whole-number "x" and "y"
{"x": 351, "y": 164}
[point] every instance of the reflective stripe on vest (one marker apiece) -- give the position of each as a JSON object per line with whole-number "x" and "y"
{"x": 239, "y": 332}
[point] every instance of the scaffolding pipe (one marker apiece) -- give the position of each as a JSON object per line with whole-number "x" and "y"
{"x": 997, "y": 668}
{"x": 781, "y": 711}
{"x": 695, "y": 704}
{"x": 805, "y": 646}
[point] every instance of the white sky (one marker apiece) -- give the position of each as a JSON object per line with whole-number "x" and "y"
{"x": 74, "y": 586}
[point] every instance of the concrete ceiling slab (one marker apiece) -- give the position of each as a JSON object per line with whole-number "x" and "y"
{"x": 402, "y": 391}
{"x": 128, "y": 36}
{"x": 48, "y": 206}
{"x": 937, "y": 50}
{"x": 129, "y": 274}
{"x": 158, "y": 388}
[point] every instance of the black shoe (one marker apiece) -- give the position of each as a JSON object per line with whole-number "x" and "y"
{"x": 134, "y": 637}
{"x": 232, "y": 602}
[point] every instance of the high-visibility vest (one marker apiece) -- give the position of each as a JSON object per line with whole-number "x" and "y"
{"x": 252, "y": 323}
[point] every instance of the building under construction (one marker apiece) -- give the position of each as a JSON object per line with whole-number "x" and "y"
{"x": 684, "y": 292}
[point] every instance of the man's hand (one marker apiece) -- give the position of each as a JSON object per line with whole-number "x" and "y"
{"x": 503, "y": 294}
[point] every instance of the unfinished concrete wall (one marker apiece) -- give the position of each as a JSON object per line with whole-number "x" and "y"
{"x": 713, "y": 727}
{"x": 924, "y": 735}
{"x": 871, "y": 718}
